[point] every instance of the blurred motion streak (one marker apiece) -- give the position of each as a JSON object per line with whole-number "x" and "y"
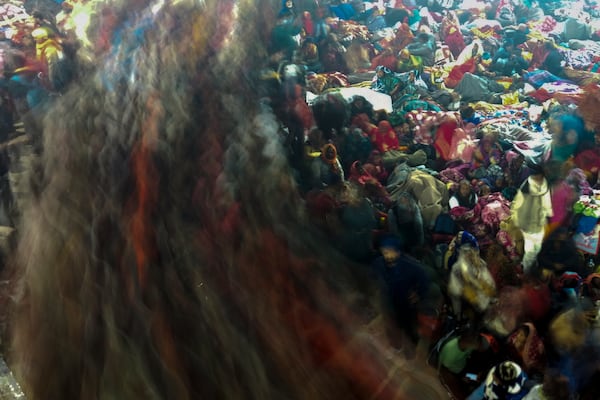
{"x": 166, "y": 253}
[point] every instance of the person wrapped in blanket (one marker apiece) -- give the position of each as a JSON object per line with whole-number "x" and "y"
{"x": 508, "y": 60}
{"x": 386, "y": 82}
{"x": 454, "y": 358}
{"x": 424, "y": 46}
{"x": 471, "y": 287}
{"x": 530, "y": 210}
{"x": 409, "y": 62}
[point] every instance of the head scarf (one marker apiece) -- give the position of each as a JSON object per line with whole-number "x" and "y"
{"x": 461, "y": 239}
{"x": 383, "y": 68}
{"x": 510, "y": 378}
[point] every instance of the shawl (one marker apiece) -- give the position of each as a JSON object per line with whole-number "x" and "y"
{"x": 471, "y": 280}
{"x": 458, "y": 71}
{"x": 531, "y": 206}
{"x": 532, "y": 352}
{"x": 462, "y": 238}
{"x": 412, "y": 63}
{"x": 385, "y": 138}
{"x": 444, "y": 136}
{"x": 387, "y": 82}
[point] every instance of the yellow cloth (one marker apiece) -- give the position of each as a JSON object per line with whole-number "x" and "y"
{"x": 510, "y": 98}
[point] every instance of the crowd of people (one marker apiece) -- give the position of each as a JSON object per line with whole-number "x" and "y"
{"x": 461, "y": 198}
{"x": 466, "y": 198}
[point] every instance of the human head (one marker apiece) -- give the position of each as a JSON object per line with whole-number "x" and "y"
{"x": 591, "y": 286}
{"x": 384, "y": 126}
{"x": 375, "y": 157}
{"x": 382, "y": 71}
{"x": 487, "y": 141}
{"x": 515, "y": 160}
{"x": 520, "y": 336}
{"x": 358, "y": 101}
{"x": 485, "y": 189}
{"x": 472, "y": 340}
{"x": 390, "y": 247}
{"x": 536, "y": 169}
{"x": 572, "y": 127}
{"x": 67, "y": 7}
{"x": 464, "y": 188}
{"x": 509, "y": 376}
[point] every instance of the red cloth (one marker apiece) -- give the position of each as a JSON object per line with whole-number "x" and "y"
{"x": 589, "y": 161}
{"x": 538, "y": 300}
{"x": 455, "y": 42}
{"x": 387, "y": 60}
{"x": 385, "y": 137}
{"x": 307, "y": 22}
{"x": 443, "y": 138}
{"x": 458, "y": 71}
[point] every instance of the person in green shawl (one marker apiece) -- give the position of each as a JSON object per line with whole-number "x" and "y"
{"x": 387, "y": 82}
{"x": 409, "y": 62}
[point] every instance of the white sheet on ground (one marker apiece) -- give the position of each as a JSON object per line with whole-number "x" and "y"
{"x": 380, "y": 101}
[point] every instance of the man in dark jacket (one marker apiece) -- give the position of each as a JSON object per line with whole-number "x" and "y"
{"x": 403, "y": 287}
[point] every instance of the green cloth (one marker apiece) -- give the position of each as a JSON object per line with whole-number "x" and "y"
{"x": 413, "y": 63}
{"x": 452, "y": 357}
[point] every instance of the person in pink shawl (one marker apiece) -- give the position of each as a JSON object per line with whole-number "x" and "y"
{"x": 564, "y": 195}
